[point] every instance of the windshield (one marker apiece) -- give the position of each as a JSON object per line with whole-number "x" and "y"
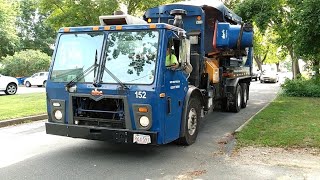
{"x": 131, "y": 56}
{"x": 76, "y": 53}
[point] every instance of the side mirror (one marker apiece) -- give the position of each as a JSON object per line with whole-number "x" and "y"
{"x": 184, "y": 56}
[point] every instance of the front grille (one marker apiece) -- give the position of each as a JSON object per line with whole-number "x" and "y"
{"x": 106, "y": 112}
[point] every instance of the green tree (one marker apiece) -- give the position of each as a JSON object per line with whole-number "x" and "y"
{"x": 265, "y": 49}
{"x": 8, "y": 33}
{"x": 34, "y": 33}
{"x": 66, "y": 13}
{"x": 137, "y": 7}
{"x": 277, "y": 15}
{"x": 25, "y": 63}
{"x": 307, "y": 32}
{"x": 231, "y": 4}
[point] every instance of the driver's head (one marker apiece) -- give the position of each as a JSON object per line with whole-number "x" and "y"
{"x": 168, "y": 50}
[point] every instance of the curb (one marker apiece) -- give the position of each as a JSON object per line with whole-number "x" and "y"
{"x": 247, "y": 122}
{"x": 11, "y": 122}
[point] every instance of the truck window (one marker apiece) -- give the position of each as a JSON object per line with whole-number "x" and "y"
{"x": 131, "y": 56}
{"x": 75, "y": 53}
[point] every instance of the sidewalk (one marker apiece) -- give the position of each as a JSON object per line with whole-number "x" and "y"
{"x": 11, "y": 122}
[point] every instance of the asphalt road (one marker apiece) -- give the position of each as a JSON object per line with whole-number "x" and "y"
{"x": 26, "y": 90}
{"x": 33, "y": 89}
{"x": 26, "y": 152}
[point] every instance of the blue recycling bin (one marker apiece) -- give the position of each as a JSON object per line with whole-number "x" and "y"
{"x": 21, "y": 80}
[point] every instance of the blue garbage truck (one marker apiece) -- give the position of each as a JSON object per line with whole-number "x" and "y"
{"x": 117, "y": 81}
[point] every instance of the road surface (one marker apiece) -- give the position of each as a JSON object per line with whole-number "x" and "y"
{"x": 25, "y": 90}
{"x": 26, "y": 152}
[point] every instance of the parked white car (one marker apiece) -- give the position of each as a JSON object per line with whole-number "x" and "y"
{"x": 269, "y": 76}
{"x": 8, "y": 84}
{"x": 38, "y": 79}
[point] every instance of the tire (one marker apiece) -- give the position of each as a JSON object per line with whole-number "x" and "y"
{"x": 44, "y": 83}
{"x": 11, "y": 89}
{"x": 224, "y": 105}
{"x": 244, "y": 95}
{"x": 28, "y": 84}
{"x": 192, "y": 122}
{"x": 261, "y": 81}
{"x": 235, "y": 105}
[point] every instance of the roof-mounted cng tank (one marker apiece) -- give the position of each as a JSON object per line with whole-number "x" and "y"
{"x": 120, "y": 20}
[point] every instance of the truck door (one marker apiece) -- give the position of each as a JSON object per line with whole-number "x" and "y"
{"x": 175, "y": 83}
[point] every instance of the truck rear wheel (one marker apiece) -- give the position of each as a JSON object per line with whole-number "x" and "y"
{"x": 244, "y": 95}
{"x": 235, "y": 105}
{"x": 192, "y": 122}
{"x": 224, "y": 105}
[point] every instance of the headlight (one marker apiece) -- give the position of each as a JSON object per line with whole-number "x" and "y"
{"x": 58, "y": 115}
{"x": 144, "y": 121}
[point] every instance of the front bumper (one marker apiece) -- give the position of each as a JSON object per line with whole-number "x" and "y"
{"x": 97, "y": 133}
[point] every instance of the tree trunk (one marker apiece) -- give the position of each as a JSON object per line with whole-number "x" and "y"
{"x": 315, "y": 68}
{"x": 278, "y": 64}
{"x": 259, "y": 63}
{"x": 295, "y": 64}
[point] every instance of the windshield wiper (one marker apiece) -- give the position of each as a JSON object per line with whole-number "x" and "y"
{"x": 85, "y": 73}
{"x": 115, "y": 78}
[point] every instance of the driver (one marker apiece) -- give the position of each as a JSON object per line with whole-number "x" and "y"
{"x": 171, "y": 59}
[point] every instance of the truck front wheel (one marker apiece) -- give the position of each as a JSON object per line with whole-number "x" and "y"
{"x": 192, "y": 122}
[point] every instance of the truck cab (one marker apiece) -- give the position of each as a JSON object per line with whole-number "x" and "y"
{"x": 111, "y": 82}
{"x": 115, "y": 77}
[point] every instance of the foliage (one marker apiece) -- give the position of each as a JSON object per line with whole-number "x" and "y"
{"x": 259, "y": 11}
{"x": 302, "y": 88}
{"x": 231, "y": 4}
{"x": 26, "y": 63}
{"x": 136, "y": 7}
{"x": 307, "y": 32}
{"x": 66, "y": 13}
{"x": 286, "y": 122}
{"x": 16, "y": 106}
{"x": 265, "y": 50}
{"x": 277, "y": 15}
{"x": 8, "y": 33}
{"x": 34, "y": 33}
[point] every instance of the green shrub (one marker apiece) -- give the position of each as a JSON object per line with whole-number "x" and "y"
{"x": 302, "y": 88}
{"x": 25, "y": 63}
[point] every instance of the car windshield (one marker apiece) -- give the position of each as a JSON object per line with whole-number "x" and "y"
{"x": 131, "y": 56}
{"x": 76, "y": 53}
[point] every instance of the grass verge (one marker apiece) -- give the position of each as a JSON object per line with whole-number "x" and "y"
{"x": 22, "y": 105}
{"x": 286, "y": 122}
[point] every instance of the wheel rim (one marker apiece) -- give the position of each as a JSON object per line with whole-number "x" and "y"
{"x": 244, "y": 94}
{"x": 12, "y": 89}
{"x": 192, "y": 121}
{"x": 239, "y": 99}
{"x": 28, "y": 84}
